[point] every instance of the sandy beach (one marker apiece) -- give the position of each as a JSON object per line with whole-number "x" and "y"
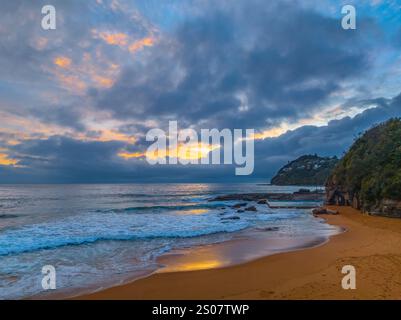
{"x": 371, "y": 244}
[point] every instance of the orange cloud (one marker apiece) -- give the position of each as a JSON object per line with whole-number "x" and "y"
{"x": 271, "y": 133}
{"x": 19, "y": 127}
{"x": 114, "y": 39}
{"x": 103, "y": 81}
{"x": 5, "y": 160}
{"x": 123, "y": 40}
{"x": 85, "y": 72}
{"x": 130, "y": 155}
{"x": 111, "y": 135}
{"x": 62, "y": 62}
{"x": 72, "y": 82}
{"x": 13, "y": 142}
{"x": 139, "y": 44}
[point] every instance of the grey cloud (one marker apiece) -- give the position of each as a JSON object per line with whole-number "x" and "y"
{"x": 287, "y": 66}
{"x": 288, "y": 60}
{"x": 331, "y": 140}
{"x": 63, "y": 159}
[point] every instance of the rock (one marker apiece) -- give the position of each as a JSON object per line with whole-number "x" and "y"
{"x": 331, "y": 211}
{"x": 271, "y": 196}
{"x": 391, "y": 208}
{"x": 318, "y": 211}
{"x": 269, "y": 229}
{"x": 368, "y": 176}
{"x": 251, "y": 208}
{"x": 239, "y": 205}
{"x": 263, "y": 201}
{"x": 231, "y": 218}
{"x": 336, "y": 196}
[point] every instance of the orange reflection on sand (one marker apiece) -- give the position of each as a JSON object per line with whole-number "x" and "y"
{"x": 199, "y": 265}
{"x": 197, "y": 258}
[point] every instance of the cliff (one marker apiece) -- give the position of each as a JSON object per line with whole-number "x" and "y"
{"x": 368, "y": 177}
{"x": 306, "y": 170}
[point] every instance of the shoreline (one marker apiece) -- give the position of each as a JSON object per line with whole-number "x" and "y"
{"x": 201, "y": 258}
{"x": 246, "y": 246}
{"x": 371, "y": 244}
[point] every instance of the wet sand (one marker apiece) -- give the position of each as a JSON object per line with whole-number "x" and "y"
{"x": 371, "y": 244}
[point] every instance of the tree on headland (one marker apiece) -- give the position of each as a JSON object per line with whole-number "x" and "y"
{"x": 371, "y": 170}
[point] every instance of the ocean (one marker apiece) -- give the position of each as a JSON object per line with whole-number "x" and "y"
{"x": 100, "y": 235}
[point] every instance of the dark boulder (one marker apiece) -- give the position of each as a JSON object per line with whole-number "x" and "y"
{"x": 239, "y": 205}
{"x": 318, "y": 211}
{"x": 231, "y": 218}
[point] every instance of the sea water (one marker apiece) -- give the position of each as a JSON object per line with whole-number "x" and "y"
{"x": 98, "y": 236}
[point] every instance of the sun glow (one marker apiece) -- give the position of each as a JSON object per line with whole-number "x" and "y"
{"x": 183, "y": 151}
{"x": 5, "y": 160}
{"x": 271, "y": 133}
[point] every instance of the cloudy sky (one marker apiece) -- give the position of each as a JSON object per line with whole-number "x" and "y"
{"x": 76, "y": 102}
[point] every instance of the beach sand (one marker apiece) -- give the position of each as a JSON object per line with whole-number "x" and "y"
{"x": 371, "y": 244}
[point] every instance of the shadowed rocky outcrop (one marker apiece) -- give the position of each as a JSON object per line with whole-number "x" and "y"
{"x": 368, "y": 177}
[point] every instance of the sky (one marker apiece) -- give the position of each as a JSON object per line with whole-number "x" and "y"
{"x": 76, "y": 102}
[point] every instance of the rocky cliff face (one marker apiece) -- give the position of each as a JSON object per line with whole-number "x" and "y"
{"x": 368, "y": 177}
{"x": 306, "y": 170}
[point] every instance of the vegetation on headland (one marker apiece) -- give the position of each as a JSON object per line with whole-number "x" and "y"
{"x": 306, "y": 170}
{"x": 369, "y": 174}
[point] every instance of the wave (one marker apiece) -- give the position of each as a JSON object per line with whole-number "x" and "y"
{"x": 92, "y": 228}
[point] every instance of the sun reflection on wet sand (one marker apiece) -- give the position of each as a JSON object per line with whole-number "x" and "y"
{"x": 232, "y": 252}
{"x": 198, "y": 265}
{"x": 198, "y": 258}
